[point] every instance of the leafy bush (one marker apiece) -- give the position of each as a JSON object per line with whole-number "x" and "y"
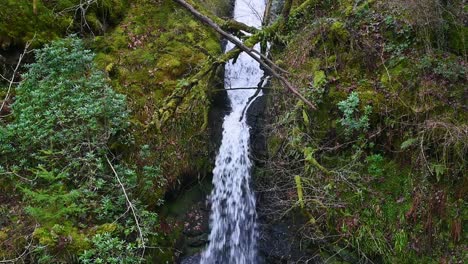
{"x": 109, "y": 249}
{"x": 64, "y": 109}
{"x": 446, "y": 67}
{"x": 64, "y": 119}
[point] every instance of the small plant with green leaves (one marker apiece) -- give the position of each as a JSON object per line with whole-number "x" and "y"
{"x": 353, "y": 119}
{"x": 317, "y": 87}
{"x": 375, "y": 165}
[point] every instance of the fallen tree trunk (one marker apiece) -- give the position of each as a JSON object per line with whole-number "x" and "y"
{"x": 269, "y": 66}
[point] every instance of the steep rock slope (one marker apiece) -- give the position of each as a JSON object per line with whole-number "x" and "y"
{"x": 378, "y": 172}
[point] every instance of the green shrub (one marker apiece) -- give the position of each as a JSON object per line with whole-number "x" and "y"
{"x": 64, "y": 119}
{"x": 65, "y": 111}
{"x": 353, "y": 120}
{"x": 109, "y": 249}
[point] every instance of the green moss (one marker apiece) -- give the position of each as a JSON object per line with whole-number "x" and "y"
{"x": 339, "y": 31}
{"x": 62, "y": 238}
{"x": 3, "y": 236}
{"x": 20, "y": 23}
{"x": 319, "y": 79}
{"x": 156, "y": 46}
{"x": 394, "y": 77}
{"x": 106, "y": 228}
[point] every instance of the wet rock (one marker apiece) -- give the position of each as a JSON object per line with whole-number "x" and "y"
{"x": 278, "y": 244}
{"x": 196, "y": 221}
{"x": 198, "y": 241}
{"x": 219, "y": 108}
{"x": 256, "y": 121}
{"x": 195, "y": 232}
{"x": 191, "y": 260}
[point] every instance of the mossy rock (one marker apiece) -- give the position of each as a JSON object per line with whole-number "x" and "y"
{"x": 62, "y": 239}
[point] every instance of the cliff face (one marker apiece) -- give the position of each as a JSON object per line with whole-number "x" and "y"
{"x": 377, "y": 172}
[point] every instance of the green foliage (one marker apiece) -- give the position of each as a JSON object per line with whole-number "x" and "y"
{"x": 65, "y": 118}
{"x": 53, "y": 202}
{"x": 109, "y": 249}
{"x": 394, "y": 56}
{"x": 401, "y": 241}
{"x": 375, "y": 165}
{"x": 317, "y": 88}
{"x": 447, "y": 67}
{"x": 64, "y": 115}
{"x": 63, "y": 102}
{"x": 353, "y": 120}
{"x": 408, "y": 143}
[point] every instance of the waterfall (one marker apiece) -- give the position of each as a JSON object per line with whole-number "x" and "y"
{"x": 233, "y": 218}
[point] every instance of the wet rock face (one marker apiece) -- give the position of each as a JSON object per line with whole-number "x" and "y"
{"x": 195, "y": 233}
{"x": 256, "y": 121}
{"x": 219, "y": 108}
{"x": 279, "y": 243}
{"x": 195, "y": 259}
{"x": 274, "y": 244}
{"x": 278, "y": 240}
{"x": 196, "y": 221}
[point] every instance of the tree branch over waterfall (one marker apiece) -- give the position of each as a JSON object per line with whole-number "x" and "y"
{"x": 269, "y": 66}
{"x": 170, "y": 105}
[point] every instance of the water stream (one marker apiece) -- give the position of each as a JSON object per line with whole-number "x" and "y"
{"x": 233, "y": 218}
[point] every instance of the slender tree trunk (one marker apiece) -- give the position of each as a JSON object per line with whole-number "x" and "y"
{"x": 35, "y": 7}
{"x": 286, "y": 10}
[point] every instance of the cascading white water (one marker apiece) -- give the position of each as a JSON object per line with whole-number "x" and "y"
{"x": 233, "y": 218}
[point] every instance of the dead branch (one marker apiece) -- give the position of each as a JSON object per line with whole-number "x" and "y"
{"x": 26, "y": 251}
{"x": 270, "y": 68}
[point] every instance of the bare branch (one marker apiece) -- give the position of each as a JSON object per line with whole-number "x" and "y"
{"x": 12, "y": 80}
{"x": 130, "y": 205}
{"x": 25, "y": 252}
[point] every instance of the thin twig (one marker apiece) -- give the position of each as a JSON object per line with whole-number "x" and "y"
{"x": 12, "y": 80}
{"x": 130, "y": 204}
{"x": 26, "y": 250}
